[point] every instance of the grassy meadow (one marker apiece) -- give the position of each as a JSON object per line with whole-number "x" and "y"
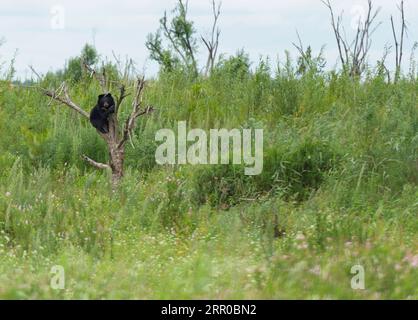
{"x": 338, "y": 189}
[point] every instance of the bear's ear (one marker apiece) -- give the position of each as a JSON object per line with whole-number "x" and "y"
{"x": 101, "y": 96}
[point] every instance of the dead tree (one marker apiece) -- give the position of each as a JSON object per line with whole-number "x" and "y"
{"x": 399, "y": 40}
{"x": 353, "y": 55}
{"x": 212, "y": 43}
{"x": 117, "y": 136}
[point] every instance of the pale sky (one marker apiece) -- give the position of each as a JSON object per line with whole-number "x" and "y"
{"x": 261, "y": 27}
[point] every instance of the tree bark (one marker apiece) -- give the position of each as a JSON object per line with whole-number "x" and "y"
{"x": 116, "y": 151}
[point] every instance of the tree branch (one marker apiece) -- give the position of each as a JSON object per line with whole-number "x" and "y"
{"x": 354, "y": 54}
{"x": 212, "y": 44}
{"x": 137, "y": 111}
{"x": 95, "y": 164}
{"x": 122, "y": 95}
{"x": 167, "y": 33}
{"x": 66, "y": 100}
{"x": 399, "y": 43}
{"x": 100, "y": 77}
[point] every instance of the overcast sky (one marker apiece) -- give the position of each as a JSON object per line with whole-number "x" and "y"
{"x": 46, "y": 33}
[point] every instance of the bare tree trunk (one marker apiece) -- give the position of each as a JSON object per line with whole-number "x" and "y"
{"x": 117, "y": 157}
{"x": 116, "y": 152}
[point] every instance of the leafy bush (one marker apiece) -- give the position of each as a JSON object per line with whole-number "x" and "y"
{"x": 293, "y": 172}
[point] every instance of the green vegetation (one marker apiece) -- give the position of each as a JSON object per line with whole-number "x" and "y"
{"x": 338, "y": 189}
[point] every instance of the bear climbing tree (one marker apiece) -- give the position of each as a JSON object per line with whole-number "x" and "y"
{"x": 116, "y": 135}
{"x": 101, "y": 112}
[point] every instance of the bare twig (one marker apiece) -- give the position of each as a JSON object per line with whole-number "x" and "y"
{"x": 336, "y": 28}
{"x": 212, "y": 44}
{"x": 122, "y": 95}
{"x": 137, "y": 111}
{"x": 100, "y": 77}
{"x": 35, "y": 73}
{"x": 353, "y": 55}
{"x": 386, "y": 52}
{"x": 300, "y": 48}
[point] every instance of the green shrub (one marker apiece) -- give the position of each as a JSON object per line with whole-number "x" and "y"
{"x": 293, "y": 172}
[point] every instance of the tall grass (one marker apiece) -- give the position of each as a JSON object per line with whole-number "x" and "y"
{"x": 339, "y": 188}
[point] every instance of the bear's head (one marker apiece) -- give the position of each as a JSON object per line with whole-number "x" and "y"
{"x": 106, "y": 101}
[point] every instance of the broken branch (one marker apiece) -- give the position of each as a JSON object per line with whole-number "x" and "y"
{"x": 95, "y": 164}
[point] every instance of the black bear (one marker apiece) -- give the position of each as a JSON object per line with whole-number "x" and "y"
{"x": 100, "y": 113}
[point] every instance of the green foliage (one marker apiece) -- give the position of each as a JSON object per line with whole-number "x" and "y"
{"x": 165, "y": 58}
{"x": 307, "y": 63}
{"x": 235, "y": 67}
{"x": 179, "y": 32}
{"x": 293, "y": 171}
{"x": 75, "y": 70}
{"x": 338, "y": 188}
{"x": 305, "y": 168}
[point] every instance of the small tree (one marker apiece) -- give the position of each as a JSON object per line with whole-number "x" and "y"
{"x": 167, "y": 61}
{"x": 179, "y": 31}
{"x": 118, "y": 135}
